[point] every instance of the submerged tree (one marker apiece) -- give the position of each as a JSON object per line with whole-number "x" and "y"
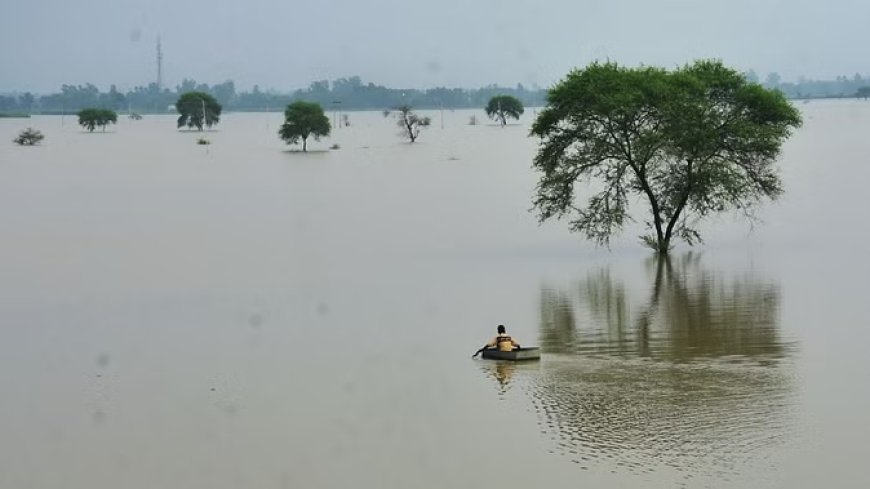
{"x": 28, "y": 137}
{"x": 92, "y": 118}
{"x": 863, "y": 92}
{"x": 410, "y": 122}
{"x": 501, "y": 107}
{"x": 197, "y": 109}
{"x": 691, "y": 142}
{"x": 301, "y": 120}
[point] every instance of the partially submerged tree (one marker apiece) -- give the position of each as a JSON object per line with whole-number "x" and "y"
{"x": 92, "y": 118}
{"x": 863, "y": 92}
{"x": 691, "y": 142}
{"x": 197, "y": 109}
{"x": 28, "y": 137}
{"x": 301, "y": 120}
{"x": 501, "y": 107}
{"x": 410, "y": 122}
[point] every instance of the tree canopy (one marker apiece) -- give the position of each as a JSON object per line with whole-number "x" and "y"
{"x": 196, "y": 109}
{"x": 863, "y": 92}
{"x": 501, "y": 107}
{"x": 410, "y": 122}
{"x": 301, "y": 120}
{"x": 92, "y": 118}
{"x": 28, "y": 137}
{"x": 691, "y": 142}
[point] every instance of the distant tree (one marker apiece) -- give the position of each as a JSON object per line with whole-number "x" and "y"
{"x": 196, "y": 109}
{"x": 692, "y": 142}
{"x": 863, "y": 92}
{"x": 410, "y": 122}
{"x": 751, "y": 76}
{"x": 472, "y": 120}
{"x": 773, "y": 80}
{"x": 92, "y": 118}
{"x": 225, "y": 92}
{"x": 303, "y": 119}
{"x": 501, "y": 107}
{"x": 27, "y": 101}
{"x": 28, "y": 137}
{"x": 187, "y": 85}
{"x": 114, "y": 98}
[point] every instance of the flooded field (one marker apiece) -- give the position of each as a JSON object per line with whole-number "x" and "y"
{"x": 243, "y": 315}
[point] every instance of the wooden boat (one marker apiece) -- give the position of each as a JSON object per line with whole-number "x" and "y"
{"x": 527, "y": 353}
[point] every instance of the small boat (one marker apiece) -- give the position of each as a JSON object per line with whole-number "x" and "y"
{"x": 529, "y": 353}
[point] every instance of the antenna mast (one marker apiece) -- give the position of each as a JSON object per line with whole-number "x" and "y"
{"x": 159, "y": 65}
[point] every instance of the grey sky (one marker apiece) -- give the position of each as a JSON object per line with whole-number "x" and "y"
{"x": 284, "y": 45}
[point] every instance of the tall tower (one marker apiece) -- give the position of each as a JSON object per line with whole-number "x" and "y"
{"x": 159, "y": 65}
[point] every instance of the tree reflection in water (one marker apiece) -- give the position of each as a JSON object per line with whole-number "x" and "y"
{"x": 694, "y": 380}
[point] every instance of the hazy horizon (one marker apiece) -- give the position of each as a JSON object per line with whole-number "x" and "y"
{"x": 284, "y": 47}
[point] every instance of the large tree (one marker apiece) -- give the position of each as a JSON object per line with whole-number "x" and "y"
{"x": 690, "y": 142}
{"x": 92, "y": 118}
{"x": 501, "y": 107}
{"x": 301, "y": 120}
{"x": 196, "y": 109}
{"x": 410, "y": 122}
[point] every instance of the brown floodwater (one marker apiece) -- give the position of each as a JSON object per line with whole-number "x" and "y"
{"x": 240, "y": 315}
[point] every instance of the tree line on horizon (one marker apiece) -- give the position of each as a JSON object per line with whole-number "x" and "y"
{"x": 341, "y": 94}
{"x": 351, "y": 94}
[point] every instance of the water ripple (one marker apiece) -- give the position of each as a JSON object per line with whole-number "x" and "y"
{"x": 692, "y": 376}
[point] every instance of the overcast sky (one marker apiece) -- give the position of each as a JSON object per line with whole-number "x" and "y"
{"x": 285, "y": 45}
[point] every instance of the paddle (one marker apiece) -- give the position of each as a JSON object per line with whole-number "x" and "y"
{"x": 478, "y": 352}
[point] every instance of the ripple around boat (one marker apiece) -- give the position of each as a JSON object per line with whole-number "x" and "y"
{"x": 530, "y": 353}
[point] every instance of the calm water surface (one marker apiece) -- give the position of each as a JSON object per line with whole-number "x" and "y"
{"x": 241, "y": 315}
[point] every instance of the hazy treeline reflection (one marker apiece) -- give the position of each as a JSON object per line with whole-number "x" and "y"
{"x": 689, "y": 377}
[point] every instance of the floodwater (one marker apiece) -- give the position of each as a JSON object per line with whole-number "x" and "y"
{"x": 240, "y": 315}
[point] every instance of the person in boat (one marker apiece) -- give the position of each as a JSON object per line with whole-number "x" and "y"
{"x": 502, "y": 340}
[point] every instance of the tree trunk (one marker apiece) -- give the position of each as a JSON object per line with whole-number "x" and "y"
{"x": 304, "y": 145}
{"x": 661, "y": 242}
{"x": 681, "y": 204}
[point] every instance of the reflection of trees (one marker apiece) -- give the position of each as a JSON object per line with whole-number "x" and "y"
{"x": 558, "y": 330}
{"x": 706, "y": 316}
{"x": 694, "y": 380}
{"x": 690, "y": 313}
